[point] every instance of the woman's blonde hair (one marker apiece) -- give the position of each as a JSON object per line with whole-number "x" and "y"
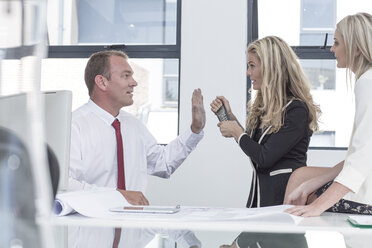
{"x": 356, "y": 31}
{"x": 282, "y": 81}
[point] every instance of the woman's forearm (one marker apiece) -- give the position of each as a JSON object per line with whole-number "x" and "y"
{"x": 332, "y": 173}
{"x": 306, "y": 180}
{"x": 325, "y": 175}
{"x": 331, "y": 196}
{"x": 232, "y": 117}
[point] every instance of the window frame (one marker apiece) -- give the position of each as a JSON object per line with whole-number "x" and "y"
{"x": 133, "y": 51}
{"x": 302, "y": 52}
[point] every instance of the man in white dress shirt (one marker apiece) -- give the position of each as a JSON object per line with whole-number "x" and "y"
{"x": 93, "y": 156}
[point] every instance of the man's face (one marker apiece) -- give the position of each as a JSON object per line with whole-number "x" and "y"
{"x": 121, "y": 84}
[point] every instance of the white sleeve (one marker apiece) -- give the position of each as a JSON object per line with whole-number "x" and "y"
{"x": 162, "y": 161}
{"x": 357, "y": 164}
{"x": 76, "y": 163}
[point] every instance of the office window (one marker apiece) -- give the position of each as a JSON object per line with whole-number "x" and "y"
{"x": 336, "y": 102}
{"x": 147, "y": 30}
{"x": 113, "y": 22}
{"x": 304, "y": 25}
{"x": 321, "y": 73}
{"x": 292, "y": 20}
{"x": 324, "y": 139}
{"x": 170, "y": 83}
{"x": 148, "y": 102}
{"x": 318, "y": 18}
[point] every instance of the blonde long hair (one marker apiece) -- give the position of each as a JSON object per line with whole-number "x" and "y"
{"x": 282, "y": 81}
{"x": 356, "y": 31}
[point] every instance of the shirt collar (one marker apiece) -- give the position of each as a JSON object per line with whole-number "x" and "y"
{"x": 101, "y": 113}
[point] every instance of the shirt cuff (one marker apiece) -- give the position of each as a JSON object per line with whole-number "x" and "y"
{"x": 241, "y": 137}
{"x": 196, "y": 135}
{"x": 191, "y": 139}
{"x": 351, "y": 178}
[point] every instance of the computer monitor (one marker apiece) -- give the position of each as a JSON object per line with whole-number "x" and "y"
{"x": 57, "y": 117}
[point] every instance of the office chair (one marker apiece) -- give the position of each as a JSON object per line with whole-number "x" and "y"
{"x": 17, "y": 192}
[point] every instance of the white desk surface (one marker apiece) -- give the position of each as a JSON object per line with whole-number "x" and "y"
{"x": 326, "y": 222}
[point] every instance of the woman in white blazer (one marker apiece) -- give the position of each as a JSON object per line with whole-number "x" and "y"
{"x": 347, "y": 187}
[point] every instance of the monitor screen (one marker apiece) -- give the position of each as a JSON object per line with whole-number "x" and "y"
{"x": 57, "y": 123}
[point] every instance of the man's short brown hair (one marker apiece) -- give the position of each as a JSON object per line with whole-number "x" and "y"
{"x": 99, "y": 64}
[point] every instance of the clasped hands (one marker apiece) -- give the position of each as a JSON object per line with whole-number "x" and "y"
{"x": 231, "y": 128}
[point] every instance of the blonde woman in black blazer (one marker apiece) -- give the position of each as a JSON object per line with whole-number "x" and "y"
{"x": 280, "y": 119}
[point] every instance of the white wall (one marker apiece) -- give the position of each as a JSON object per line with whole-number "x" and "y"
{"x": 213, "y": 44}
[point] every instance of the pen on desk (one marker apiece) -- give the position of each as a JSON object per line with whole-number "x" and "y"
{"x": 133, "y": 208}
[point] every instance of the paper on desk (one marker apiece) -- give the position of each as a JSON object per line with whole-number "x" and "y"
{"x": 274, "y": 214}
{"x": 263, "y": 214}
{"x": 96, "y": 203}
{"x": 92, "y": 203}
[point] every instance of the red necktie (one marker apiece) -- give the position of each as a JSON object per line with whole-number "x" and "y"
{"x": 121, "y": 177}
{"x": 120, "y": 157}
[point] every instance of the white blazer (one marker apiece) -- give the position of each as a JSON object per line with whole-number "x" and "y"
{"x": 357, "y": 171}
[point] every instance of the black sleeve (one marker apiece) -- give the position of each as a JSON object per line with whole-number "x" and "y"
{"x": 279, "y": 143}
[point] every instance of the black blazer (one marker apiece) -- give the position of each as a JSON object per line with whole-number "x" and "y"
{"x": 277, "y": 155}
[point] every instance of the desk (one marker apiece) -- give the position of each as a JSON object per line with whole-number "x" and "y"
{"x": 327, "y": 222}
{"x": 211, "y": 233}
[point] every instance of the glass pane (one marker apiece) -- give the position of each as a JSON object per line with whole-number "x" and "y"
{"x": 335, "y": 97}
{"x": 170, "y": 94}
{"x": 318, "y": 14}
{"x": 150, "y": 104}
{"x": 305, "y": 22}
{"x": 316, "y": 38}
{"x": 26, "y": 185}
{"x": 321, "y": 73}
{"x": 112, "y": 22}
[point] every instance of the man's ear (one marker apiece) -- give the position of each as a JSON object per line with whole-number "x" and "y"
{"x": 101, "y": 82}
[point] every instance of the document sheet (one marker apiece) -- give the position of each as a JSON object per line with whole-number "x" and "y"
{"x": 97, "y": 204}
